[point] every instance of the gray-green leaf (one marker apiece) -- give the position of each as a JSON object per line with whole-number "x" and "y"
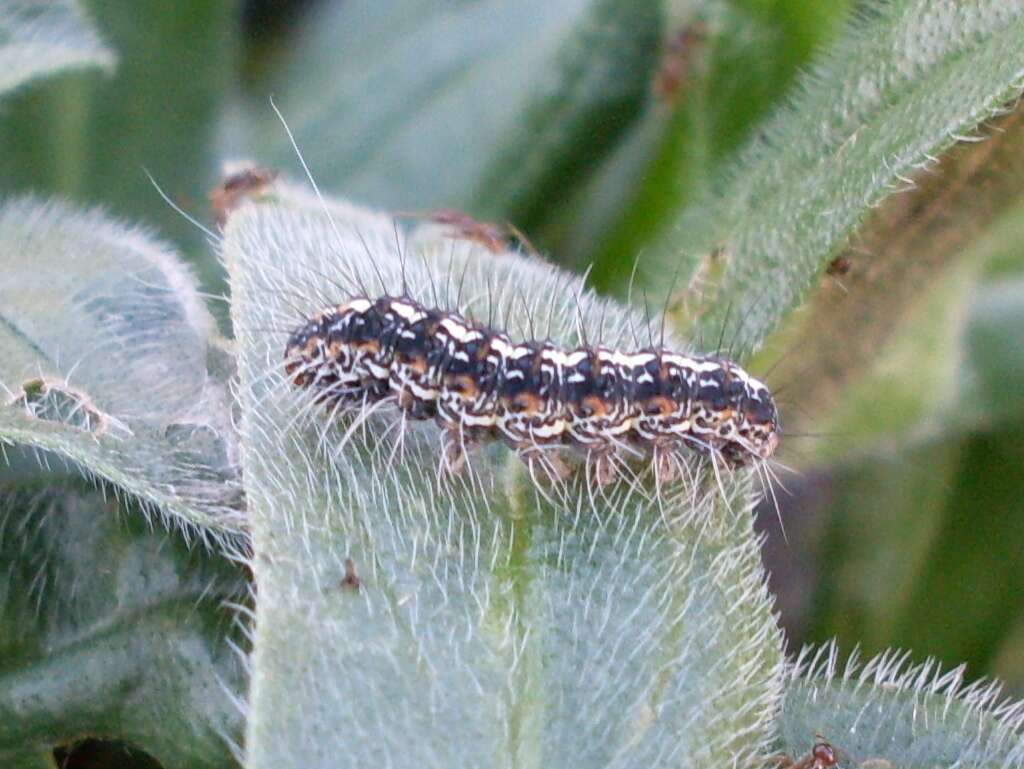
{"x": 903, "y": 83}
{"x": 406, "y": 619}
{"x": 104, "y": 347}
{"x": 899, "y": 716}
{"x": 39, "y": 37}
{"x": 110, "y": 628}
{"x": 490, "y": 106}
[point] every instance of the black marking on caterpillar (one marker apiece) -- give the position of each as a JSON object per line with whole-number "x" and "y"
{"x": 479, "y": 385}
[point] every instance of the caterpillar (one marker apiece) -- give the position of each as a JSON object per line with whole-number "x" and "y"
{"x": 479, "y": 385}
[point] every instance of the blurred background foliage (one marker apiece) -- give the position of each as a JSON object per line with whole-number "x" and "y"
{"x": 901, "y": 380}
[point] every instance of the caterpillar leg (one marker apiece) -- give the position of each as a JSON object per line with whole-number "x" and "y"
{"x": 666, "y": 469}
{"x": 601, "y": 466}
{"x": 453, "y": 453}
{"x": 413, "y": 407}
{"x": 553, "y": 465}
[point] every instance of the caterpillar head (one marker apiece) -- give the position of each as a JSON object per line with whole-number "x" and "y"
{"x": 757, "y": 429}
{"x": 713, "y": 405}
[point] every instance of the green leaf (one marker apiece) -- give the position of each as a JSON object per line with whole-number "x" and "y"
{"x": 113, "y": 629}
{"x": 494, "y": 620}
{"x": 975, "y": 553}
{"x": 899, "y": 716}
{"x": 93, "y": 139}
{"x": 993, "y": 370}
{"x": 920, "y": 540}
{"x": 952, "y": 365}
{"x": 41, "y": 37}
{"x": 104, "y": 348}
{"x": 737, "y": 63}
{"x": 906, "y": 393}
{"x": 922, "y": 550}
{"x": 901, "y": 85}
{"x": 493, "y": 107}
{"x": 910, "y": 318}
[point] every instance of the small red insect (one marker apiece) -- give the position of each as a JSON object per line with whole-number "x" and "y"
{"x": 496, "y": 238}
{"x": 822, "y": 756}
{"x": 677, "y": 61}
{"x": 841, "y": 265}
{"x": 351, "y": 580}
{"x": 251, "y": 182}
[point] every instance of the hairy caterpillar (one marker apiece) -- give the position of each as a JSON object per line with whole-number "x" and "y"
{"x": 479, "y": 385}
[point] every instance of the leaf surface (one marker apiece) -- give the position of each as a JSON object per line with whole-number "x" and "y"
{"x": 112, "y": 629}
{"x": 94, "y": 140}
{"x": 496, "y": 108}
{"x": 901, "y": 85}
{"x": 41, "y": 37}
{"x": 104, "y": 354}
{"x": 493, "y": 617}
{"x": 899, "y": 716}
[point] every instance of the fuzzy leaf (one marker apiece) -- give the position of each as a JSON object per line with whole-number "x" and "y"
{"x": 104, "y": 348}
{"x": 489, "y": 623}
{"x": 926, "y": 334}
{"x": 727, "y": 64}
{"x": 93, "y": 139}
{"x": 949, "y": 366}
{"x": 40, "y": 37}
{"x": 903, "y": 83}
{"x": 490, "y": 106}
{"x": 899, "y": 716}
{"x": 915, "y": 539}
{"x": 109, "y": 628}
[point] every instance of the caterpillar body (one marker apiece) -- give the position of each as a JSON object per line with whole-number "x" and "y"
{"x": 480, "y": 385}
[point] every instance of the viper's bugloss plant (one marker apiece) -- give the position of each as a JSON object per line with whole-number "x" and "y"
{"x": 202, "y": 567}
